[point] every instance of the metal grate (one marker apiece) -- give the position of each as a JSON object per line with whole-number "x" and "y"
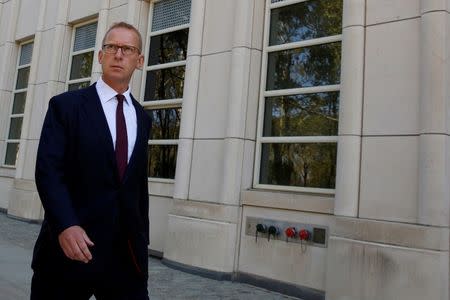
{"x": 85, "y": 37}
{"x": 26, "y": 52}
{"x": 170, "y": 13}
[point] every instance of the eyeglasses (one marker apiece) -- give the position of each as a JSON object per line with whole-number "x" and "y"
{"x": 126, "y": 50}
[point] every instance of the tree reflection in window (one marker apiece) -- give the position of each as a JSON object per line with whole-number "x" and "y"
{"x": 79, "y": 85}
{"x": 81, "y": 65}
{"x": 168, "y": 47}
{"x": 162, "y": 161}
{"x": 302, "y": 115}
{"x": 165, "y": 123}
{"x": 305, "y": 165}
{"x": 164, "y": 84}
{"x": 312, "y": 113}
{"x": 306, "y": 20}
{"x": 304, "y": 67}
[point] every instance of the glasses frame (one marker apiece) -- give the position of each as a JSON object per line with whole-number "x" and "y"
{"x": 125, "y": 49}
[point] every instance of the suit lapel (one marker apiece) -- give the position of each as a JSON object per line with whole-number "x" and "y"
{"x": 94, "y": 111}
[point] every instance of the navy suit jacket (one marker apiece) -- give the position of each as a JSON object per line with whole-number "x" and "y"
{"x": 78, "y": 183}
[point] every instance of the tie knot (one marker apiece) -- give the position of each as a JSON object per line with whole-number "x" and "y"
{"x": 120, "y": 98}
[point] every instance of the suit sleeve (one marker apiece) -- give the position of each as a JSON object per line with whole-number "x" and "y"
{"x": 144, "y": 207}
{"x": 144, "y": 187}
{"x": 50, "y": 173}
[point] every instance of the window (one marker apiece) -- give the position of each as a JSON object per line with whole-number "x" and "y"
{"x": 18, "y": 103}
{"x": 299, "y": 102}
{"x": 164, "y": 83}
{"x": 81, "y": 56}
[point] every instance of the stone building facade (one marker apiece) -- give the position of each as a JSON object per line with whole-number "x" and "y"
{"x": 326, "y": 120}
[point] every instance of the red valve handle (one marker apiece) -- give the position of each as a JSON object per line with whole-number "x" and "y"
{"x": 304, "y": 235}
{"x": 290, "y": 232}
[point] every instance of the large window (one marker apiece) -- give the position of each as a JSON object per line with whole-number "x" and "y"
{"x": 81, "y": 56}
{"x": 299, "y": 103}
{"x": 18, "y": 103}
{"x": 164, "y": 82}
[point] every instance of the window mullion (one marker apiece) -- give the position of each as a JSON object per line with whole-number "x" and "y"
{"x": 298, "y": 139}
{"x": 282, "y": 3}
{"x": 163, "y": 142}
{"x": 170, "y": 29}
{"x": 83, "y": 51}
{"x": 166, "y": 65}
{"x": 307, "y": 43}
{"x": 158, "y": 104}
{"x": 306, "y": 90}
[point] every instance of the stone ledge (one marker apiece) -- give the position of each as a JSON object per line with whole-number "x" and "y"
{"x": 205, "y": 210}
{"x": 287, "y": 200}
{"x": 398, "y": 234}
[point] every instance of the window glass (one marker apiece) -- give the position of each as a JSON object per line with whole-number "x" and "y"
{"x": 81, "y": 65}
{"x": 300, "y": 102}
{"x": 304, "y": 21}
{"x": 171, "y": 13}
{"x": 304, "y": 165}
{"x": 26, "y": 53}
{"x": 11, "y": 153}
{"x": 164, "y": 84}
{"x": 304, "y": 67}
{"x": 162, "y": 161}
{"x": 165, "y": 123}
{"x": 22, "y": 78}
{"x": 82, "y": 56}
{"x": 302, "y": 115}
{"x": 168, "y": 47}
{"x": 19, "y": 103}
{"x": 79, "y": 85}
{"x": 15, "y": 128}
{"x": 85, "y": 37}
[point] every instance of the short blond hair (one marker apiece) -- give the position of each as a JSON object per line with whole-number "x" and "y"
{"x": 126, "y": 26}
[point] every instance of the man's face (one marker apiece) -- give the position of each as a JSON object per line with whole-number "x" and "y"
{"x": 118, "y": 68}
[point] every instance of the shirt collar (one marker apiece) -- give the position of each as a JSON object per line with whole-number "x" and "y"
{"x": 107, "y": 93}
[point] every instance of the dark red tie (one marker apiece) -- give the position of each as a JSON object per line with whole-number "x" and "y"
{"x": 121, "y": 137}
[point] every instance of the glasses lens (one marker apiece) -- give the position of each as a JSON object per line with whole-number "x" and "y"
{"x": 126, "y": 50}
{"x": 110, "y": 48}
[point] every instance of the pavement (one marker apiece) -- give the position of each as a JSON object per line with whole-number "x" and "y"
{"x": 17, "y": 239}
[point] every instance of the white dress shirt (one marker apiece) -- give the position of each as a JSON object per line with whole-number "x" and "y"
{"x": 109, "y": 102}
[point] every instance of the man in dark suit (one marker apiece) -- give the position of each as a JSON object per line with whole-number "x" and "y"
{"x": 91, "y": 175}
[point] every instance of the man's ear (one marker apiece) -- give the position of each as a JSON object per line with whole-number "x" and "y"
{"x": 140, "y": 63}
{"x": 100, "y": 56}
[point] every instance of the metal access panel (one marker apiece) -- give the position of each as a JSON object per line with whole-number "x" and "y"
{"x": 318, "y": 233}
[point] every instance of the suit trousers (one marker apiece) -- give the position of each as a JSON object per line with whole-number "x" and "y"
{"x": 119, "y": 281}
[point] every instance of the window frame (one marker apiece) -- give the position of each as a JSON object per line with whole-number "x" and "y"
{"x": 13, "y": 94}
{"x": 73, "y": 53}
{"x": 263, "y": 94}
{"x": 175, "y": 103}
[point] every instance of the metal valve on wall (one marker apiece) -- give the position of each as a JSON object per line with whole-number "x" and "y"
{"x": 288, "y": 231}
{"x": 261, "y": 228}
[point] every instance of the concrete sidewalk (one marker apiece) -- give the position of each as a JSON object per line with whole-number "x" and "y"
{"x": 16, "y": 245}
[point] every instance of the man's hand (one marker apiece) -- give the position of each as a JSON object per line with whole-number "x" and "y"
{"x": 74, "y": 242}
